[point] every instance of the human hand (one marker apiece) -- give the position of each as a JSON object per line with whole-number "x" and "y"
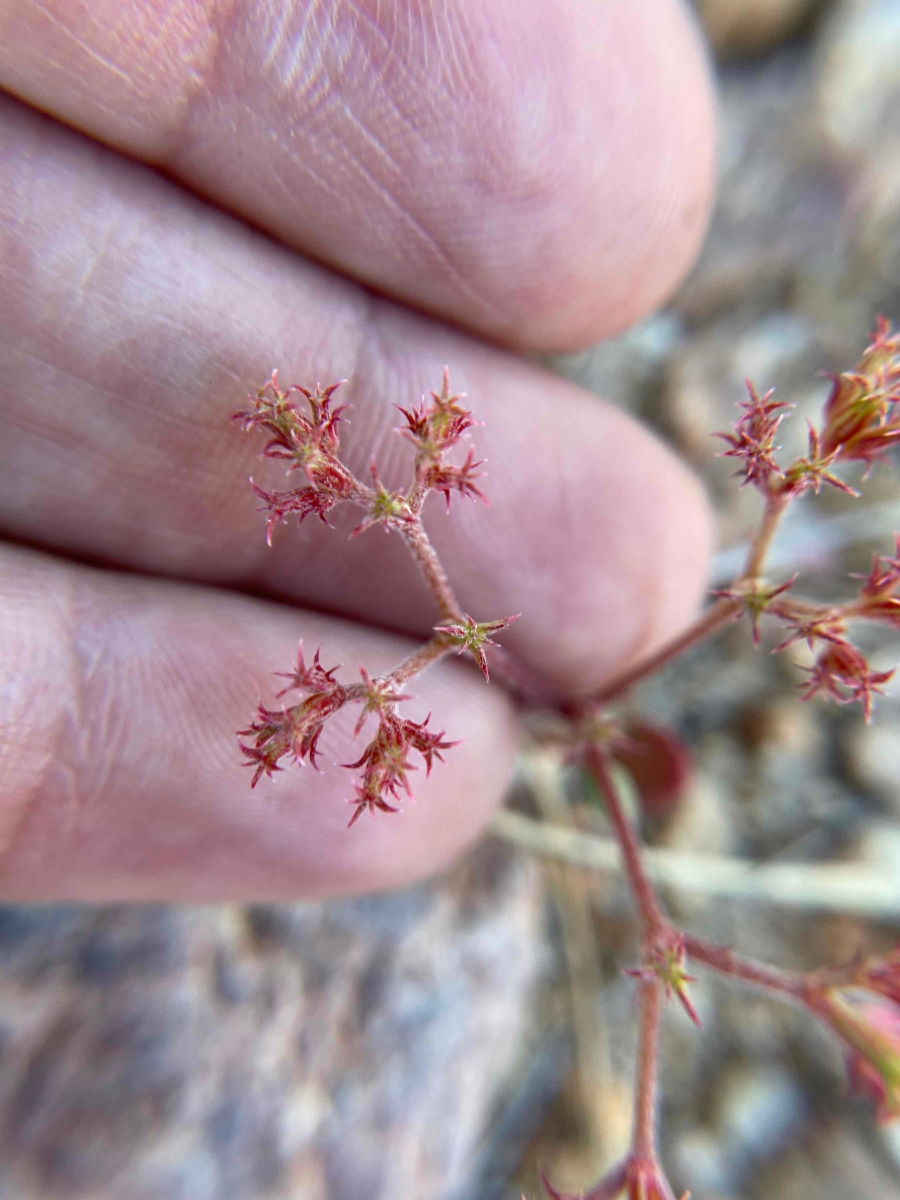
{"x": 536, "y": 173}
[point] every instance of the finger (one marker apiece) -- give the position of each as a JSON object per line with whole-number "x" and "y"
{"x": 135, "y": 321}
{"x": 537, "y": 170}
{"x": 119, "y": 766}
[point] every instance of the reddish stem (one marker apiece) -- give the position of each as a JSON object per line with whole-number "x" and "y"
{"x": 424, "y": 553}
{"x": 651, "y": 915}
{"x": 437, "y": 648}
{"x": 643, "y": 1138}
{"x": 776, "y": 503}
{"x": 723, "y": 960}
{"x": 715, "y": 616}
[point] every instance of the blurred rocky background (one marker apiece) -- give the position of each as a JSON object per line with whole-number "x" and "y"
{"x": 437, "y": 1043}
{"x": 804, "y": 251}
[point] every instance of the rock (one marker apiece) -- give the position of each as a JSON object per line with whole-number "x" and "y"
{"x": 857, "y": 84}
{"x": 758, "y": 1108}
{"x": 701, "y": 821}
{"x": 625, "y": 368}
{"x": 736, "y": 27}
{"x": 782, "y": 724}
{"x": 783, "y": 207}
{"x": 872, "y": 758}
{"x": 698, "y": 1158}
{"x": 889, "y": 1135}
{"x": 878, "y": 846}
{"x": 857, "y": 103}
{"x": 878, "y": 239}
{"x": 832, "y": 1164}
{"x": 333, "y": 1050}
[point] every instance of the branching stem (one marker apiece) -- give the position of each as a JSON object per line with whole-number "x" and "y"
{"x": 413, "y": 533}
{"x": 723, "y": 960}
{"x": 716, "y": 615}
{"x": 714, "y": 618}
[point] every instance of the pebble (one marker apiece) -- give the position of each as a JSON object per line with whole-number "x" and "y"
{"x": 878, "y": 846}
{"x": 857, "y": 85}
{"x": 738, "y": 27}
{"x": 758, "y": 1109}
{"x": 872, "y": 759}
{"x": 783, "y": 724}
{"x": 698, "y": 1156}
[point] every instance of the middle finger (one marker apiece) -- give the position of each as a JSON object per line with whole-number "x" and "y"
{"x": 136, "y": 318}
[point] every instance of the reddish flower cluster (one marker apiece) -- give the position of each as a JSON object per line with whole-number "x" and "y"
{"x": 390, "y": 510}
{"x": 860, "y": 422}
{"x": 385, "y": 761}
{"x": 842, "y": 673}
{"x": 861, "y": 418}
{"x": 440, "y": 477}
{"x": 474, "y": 636}
{"x": 308, "y": 443}
{"x": 434, "y": 429}
{"x": 758, "y": 597}
{"x": 808, "y": 474}
{"x": 293, "y": 733}
{"x": 865, "y": 1014}
{"x": 753, "y": 439}
{"x": 878, "y": 599}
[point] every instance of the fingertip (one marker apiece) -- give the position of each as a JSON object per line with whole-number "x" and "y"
{"x": 139, "y": 793}
{"x": 624, "y": 219}
{"x": 679, "y": 527}
{"x": 538, "y": 171}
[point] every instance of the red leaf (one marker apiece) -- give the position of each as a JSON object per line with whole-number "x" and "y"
{"x": 658, "y": 762}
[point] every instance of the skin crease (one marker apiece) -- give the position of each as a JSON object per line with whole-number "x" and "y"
{"x": 135, "y": 317}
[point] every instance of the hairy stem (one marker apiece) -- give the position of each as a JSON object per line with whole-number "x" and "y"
{"x": 643, "y": 1144}
{"x": 424, "y": 553}
{"x": 417, "y": 494}
{"x": 776, "y": 503}
{"x": 724, "y": 961}
{"x": 439, "y": 646}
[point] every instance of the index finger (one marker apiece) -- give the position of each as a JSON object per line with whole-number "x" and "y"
{"x": 536, "y": 170}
